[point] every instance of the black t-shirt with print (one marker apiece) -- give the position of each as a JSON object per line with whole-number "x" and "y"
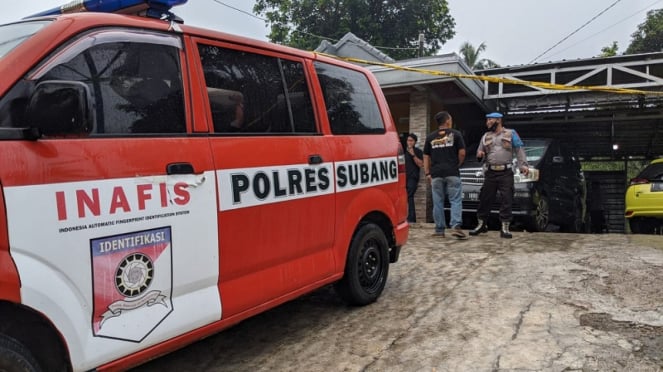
{"x": 442, "y": 146}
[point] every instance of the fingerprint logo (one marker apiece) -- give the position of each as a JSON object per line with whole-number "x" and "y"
{"x": 134, "y": 274}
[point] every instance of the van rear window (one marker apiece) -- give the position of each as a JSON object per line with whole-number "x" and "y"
{"x": 350, "y": 101}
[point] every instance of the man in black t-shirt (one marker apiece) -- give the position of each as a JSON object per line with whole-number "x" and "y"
{"x": 444, "y": 152}
{"x": 413, "y": 163}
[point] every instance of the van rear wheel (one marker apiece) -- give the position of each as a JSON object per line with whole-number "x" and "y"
{"x": 366, "y": 267}
{"x": 14, "y": 357}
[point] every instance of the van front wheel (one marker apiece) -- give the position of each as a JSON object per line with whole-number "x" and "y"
{"x": 14, "y": 357}
{"x": 366, "y": 267}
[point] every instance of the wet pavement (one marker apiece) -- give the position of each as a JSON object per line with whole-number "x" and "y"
{"x": 537, "y": 302}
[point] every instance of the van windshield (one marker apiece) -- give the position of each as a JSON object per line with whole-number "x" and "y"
{"x": 13, "y": 34}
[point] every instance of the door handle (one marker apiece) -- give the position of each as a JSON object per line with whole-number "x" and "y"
{"x": 315, "y": 159}
{"x": 179, "y": 168}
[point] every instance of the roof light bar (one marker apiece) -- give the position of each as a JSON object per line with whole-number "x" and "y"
{"x": 152, "y": 8}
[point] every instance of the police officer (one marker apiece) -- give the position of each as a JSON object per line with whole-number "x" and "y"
{"x": 496, "y": 149}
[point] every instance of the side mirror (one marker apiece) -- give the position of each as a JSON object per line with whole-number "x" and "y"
{"x": 59, "y": 108}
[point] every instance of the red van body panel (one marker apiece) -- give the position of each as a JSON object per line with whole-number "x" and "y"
{"x": 129, "y": 244}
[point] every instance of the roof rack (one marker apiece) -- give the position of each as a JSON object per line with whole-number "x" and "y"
{"x": 150, "y": 8}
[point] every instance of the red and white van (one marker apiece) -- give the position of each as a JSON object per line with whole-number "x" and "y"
{"x": 161, "y": 182}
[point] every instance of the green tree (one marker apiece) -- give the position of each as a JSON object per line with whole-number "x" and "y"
{"x": 649, "y": 36}
{"x": 471, "y": 56}
{"x": 395, "y": 25}
{"x": 609, "y": 51}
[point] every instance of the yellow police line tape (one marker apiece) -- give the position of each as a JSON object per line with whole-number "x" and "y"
{"x": 493, "y": 79}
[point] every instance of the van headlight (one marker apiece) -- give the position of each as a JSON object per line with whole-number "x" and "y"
{"x": 532, "y": 176}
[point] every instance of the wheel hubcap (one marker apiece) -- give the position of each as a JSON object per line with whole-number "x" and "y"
{"x": 542, "y": 214}
{"x": 369, "y": 264}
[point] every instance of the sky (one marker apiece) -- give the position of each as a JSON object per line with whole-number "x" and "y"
{"x": 515, "y": 32}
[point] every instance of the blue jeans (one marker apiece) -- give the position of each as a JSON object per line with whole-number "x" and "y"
{"x": 453, "y": 188}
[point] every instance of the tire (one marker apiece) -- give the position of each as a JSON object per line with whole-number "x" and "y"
{"x": 577, "y": 224}
{"x": 539, "y": 222}
{"x": 636, "y": 225}
{"x": 641, "y": 225}
{"x": 366, "y": 267}
{"x": 14, "y": 357}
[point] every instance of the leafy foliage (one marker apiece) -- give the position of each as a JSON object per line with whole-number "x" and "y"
{"x": 395, "y": 25}
{"x": 649, "y": 35}
{"x": 470, "y": 55}
{"x": 609, "y": 51}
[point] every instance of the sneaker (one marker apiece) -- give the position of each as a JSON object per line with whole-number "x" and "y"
{"x": 437, "y": 235}
{"x": 458, "y": 233}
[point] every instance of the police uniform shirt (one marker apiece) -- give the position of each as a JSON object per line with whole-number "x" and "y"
{"x": 499, "y": 148}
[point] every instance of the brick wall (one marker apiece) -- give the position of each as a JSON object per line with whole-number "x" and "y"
{"x": 419, "y": 124}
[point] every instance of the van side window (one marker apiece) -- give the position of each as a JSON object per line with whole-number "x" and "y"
{"x": 253, "y": 93}
{"x": 351, "y": 104}
{"x": 135, "y": 87}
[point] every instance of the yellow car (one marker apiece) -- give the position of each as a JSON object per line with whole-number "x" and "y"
{"x": 644, "y": 200}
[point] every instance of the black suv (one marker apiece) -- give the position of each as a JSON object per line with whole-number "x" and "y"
{"x": 556, "y": 197}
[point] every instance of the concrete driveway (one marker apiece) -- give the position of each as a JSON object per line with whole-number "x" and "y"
{"x": 537, "y": 302}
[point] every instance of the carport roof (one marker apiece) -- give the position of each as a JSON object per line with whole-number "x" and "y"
{"x": 596, "y": 124}
{"x": 598, "y": 134}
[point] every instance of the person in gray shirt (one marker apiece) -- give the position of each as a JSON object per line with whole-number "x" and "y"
{"x": 496, "y": 149}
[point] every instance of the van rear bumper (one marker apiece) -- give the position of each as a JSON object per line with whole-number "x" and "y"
{"x": 401, "y": 232}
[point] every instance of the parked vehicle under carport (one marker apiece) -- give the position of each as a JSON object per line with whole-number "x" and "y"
{"x": 644, "y": 200}
{"x": 557, "y": 196}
